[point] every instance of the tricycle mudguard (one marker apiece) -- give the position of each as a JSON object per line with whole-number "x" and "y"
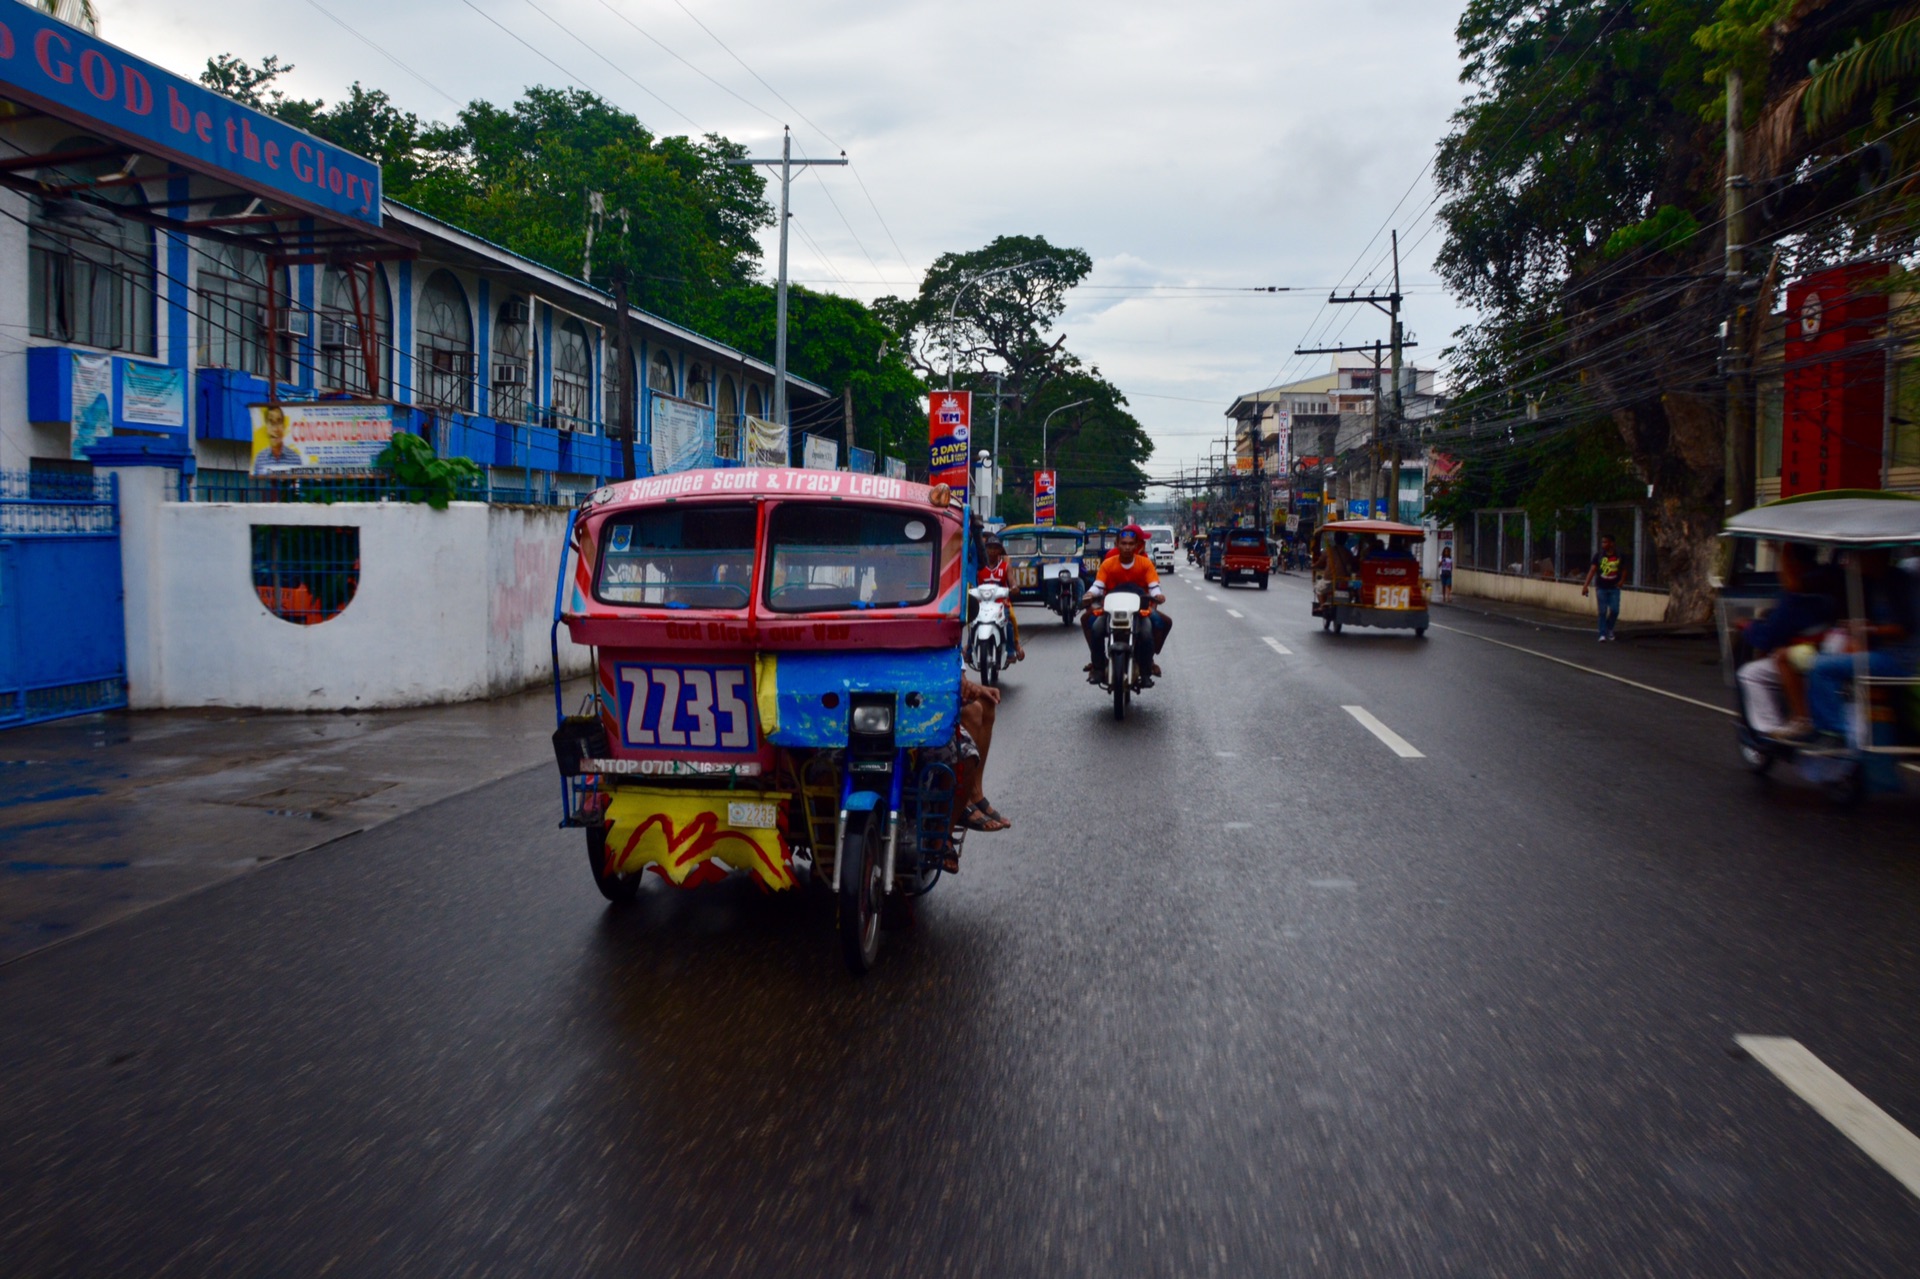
{"x": 793, "y": 686}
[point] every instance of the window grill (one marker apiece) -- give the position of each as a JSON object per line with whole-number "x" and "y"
{"x": 305, "y": 574}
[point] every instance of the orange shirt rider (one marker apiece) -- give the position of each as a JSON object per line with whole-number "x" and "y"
{"x": 1115, "y": 572}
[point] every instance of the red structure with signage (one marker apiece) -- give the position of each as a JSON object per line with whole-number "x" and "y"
{"x": 1834, "y": 417}
{"x": 949, "y": 441}
{"x": 1043, "y": 497}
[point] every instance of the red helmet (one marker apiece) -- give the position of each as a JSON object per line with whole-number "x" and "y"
{"x": 1134, "y": 531}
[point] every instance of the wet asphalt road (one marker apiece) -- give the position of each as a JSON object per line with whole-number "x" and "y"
{"x": 1245, "y": 992}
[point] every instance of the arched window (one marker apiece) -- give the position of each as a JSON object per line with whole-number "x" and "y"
{"x": 232, "y": 284}
{"x": 516, "y": 353}
{"x": 699, "y": 384}
{"x": 727, "y": 419}
{"x": 344, "y": 300}
{"x": 443, "y": 363}
{"x": 572, "y": 377}
{"x": 660, "y": 372}
{"x": 756, "y": 407}
{"x": 90, "y": 274}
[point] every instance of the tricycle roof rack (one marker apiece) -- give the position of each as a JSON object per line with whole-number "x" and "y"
{"x": 1842, "y": 517}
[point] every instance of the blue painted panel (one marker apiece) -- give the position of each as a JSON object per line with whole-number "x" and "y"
{"x": 803, "y": 678}
{"x": 863, "y": 801}
{"x": 543, "y": 448}
{"x": 49, "y": 384}
{"x": 63, "y": 644}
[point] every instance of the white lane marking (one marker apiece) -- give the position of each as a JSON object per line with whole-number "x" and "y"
{"x": 1398, "y": 744}
{"x": 1838, "y": 1102}
{"x": 1276, "y": 646}
{"x": 1618, "y": 679}
{"x": 1213, "y": 599}
{"x": 1234, "y": 612}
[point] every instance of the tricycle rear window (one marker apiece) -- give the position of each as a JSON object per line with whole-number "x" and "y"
{"x": 1021, "y": 544}
{"x": 1059, "y": 544}
{"x": 827, "y": 557}
{"x": 678, "y": 557}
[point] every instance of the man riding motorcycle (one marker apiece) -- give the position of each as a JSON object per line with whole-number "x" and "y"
{"x": 994, "y": 568}
{"x": 1128, "y": 567}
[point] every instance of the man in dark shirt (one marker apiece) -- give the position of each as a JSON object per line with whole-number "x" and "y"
{"x": 1605, "y": 576}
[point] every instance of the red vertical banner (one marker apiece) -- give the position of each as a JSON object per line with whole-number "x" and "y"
{"x": 950, "y": 441}
{"x": 1834, "y": 417}
{"x": 1043, "y": 497}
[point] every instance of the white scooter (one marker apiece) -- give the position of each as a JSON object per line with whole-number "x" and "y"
{"x": 1123, "y": 672}
{"x": 988, "y": 639}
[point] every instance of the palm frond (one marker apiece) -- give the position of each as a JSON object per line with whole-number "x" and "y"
{"x": 1836, "y": 88}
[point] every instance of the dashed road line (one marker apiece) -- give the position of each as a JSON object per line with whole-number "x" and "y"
{"x": 1276, "y": 646}
{"x": 1879, "y": 1134}
{"x": 1618, "y": 679}
{"x": 1396, "y": 743}
{"x": 1234, "y": 612}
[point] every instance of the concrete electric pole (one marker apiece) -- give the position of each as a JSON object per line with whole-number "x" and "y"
{"x": 786, "y": 163}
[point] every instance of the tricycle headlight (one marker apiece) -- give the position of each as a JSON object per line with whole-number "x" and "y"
{"x": 873, "y": 719}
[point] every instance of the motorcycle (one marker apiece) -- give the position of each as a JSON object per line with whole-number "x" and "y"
{"x": 987, "y": 639}
{"x": 1122, "y": 673}
{"x": 1066, "y": 592}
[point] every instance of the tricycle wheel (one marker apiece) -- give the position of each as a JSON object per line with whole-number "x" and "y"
{"x": 1336, "y": 626}
{"x": 618, "y": 889}
{"x": 1263, "y": 581}
{"x": 1419, "y": 632}
{"x": 861, "y": 892}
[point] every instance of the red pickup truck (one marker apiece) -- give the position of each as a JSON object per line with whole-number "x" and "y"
{"x": 1246, "y": 556}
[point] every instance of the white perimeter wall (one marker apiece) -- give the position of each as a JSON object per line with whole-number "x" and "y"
{"x": 452, "y": 605}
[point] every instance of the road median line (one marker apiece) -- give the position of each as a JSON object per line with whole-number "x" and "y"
{"x": 1618, "y": 679}
{"x": 1396, "y": 743}
{"x": 1882, "y": 1137}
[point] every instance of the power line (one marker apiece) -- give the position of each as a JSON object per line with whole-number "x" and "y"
{"x": 341, "y": 23}
{"x": 610, "y": 62}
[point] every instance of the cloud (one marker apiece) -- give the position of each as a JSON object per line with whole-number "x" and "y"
{"x": 1218, "y": 142}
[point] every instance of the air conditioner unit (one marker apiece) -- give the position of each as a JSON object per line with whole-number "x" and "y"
{"x": 509, "y": 375}
{"x": 292, "y": 324}
{"x": 336, "y": 335}
{"x": 514, "y": 311}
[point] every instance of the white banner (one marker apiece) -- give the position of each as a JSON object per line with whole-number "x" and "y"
{"x": 683, "y": 435}
{"x": 896, "y": 468}
{"x": 766, "y": 444}
{"x": 822, "y": 454}
{"x": 92, "y": 400}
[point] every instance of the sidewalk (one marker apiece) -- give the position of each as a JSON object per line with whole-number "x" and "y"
{"x": 106, "y": 815}
{"x": 1550, "y": 619}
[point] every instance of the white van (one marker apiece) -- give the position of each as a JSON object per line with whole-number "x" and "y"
{"x": 1160, "y": 545}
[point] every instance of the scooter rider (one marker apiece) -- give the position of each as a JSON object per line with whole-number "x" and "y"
{"x": 994, "y": 569}
{"x": 1128, "y": 566}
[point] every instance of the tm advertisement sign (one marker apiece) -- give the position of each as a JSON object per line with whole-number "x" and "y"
{"x": 1044, "y": 488}
{"x": 950, "y": 441}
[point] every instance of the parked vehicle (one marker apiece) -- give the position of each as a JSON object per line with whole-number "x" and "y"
{"x": 776, "y": 686}
{"x": 989, "y": 638}
{"x": 1882, "y": 710}
{"x": 1197, "y": 549}
{"x": 1216, "y": 551}
{"x": 1245, "y": 556}
{"x": 1368, "y": 574}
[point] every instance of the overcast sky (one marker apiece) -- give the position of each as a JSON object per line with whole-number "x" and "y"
{"x": 1188, "y": 148}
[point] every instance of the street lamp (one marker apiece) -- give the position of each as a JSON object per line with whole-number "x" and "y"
{"x": 954, "y": 306}
{"x": 1043, "y": 428}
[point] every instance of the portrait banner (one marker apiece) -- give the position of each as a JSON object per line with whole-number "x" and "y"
{"x": 683, "y": 435}
{"x": 332, "y": 438}
{"x": 92, "y": 400}
{"x": 766, "y": 443}
{"x": 950, "y": 441}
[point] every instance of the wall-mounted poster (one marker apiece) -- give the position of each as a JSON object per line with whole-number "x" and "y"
{"x": 336, "y": 437}
{"x": 821, "y": 454}
{"x": 896, "y": 468}
{"x": 766, "y": 443}
{"x": 92, "y": 400}
{"x": 683, "y": 435}
{"x": 152, "y": 394}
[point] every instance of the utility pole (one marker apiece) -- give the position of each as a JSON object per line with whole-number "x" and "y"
{"x": 846, "y": 409}
{"x": 786, "y": 163}
{"x": 1739, "y": 434}
{"x": 994, "y": 475}
{"x": 628, "y": 391}
{"x": 1373, "y": 481}
{"x": 1392, "y": 311}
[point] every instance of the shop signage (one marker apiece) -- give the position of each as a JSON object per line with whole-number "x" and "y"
{"x": 950, "y": 441}
{"x": 80, "y": 78}
{"x": 331, "y": 438}
{"x": 821, "y": 454}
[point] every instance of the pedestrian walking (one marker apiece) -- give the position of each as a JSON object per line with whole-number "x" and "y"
{"x": 1446, "y": 575}
{"x": 1605, "y": 575}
